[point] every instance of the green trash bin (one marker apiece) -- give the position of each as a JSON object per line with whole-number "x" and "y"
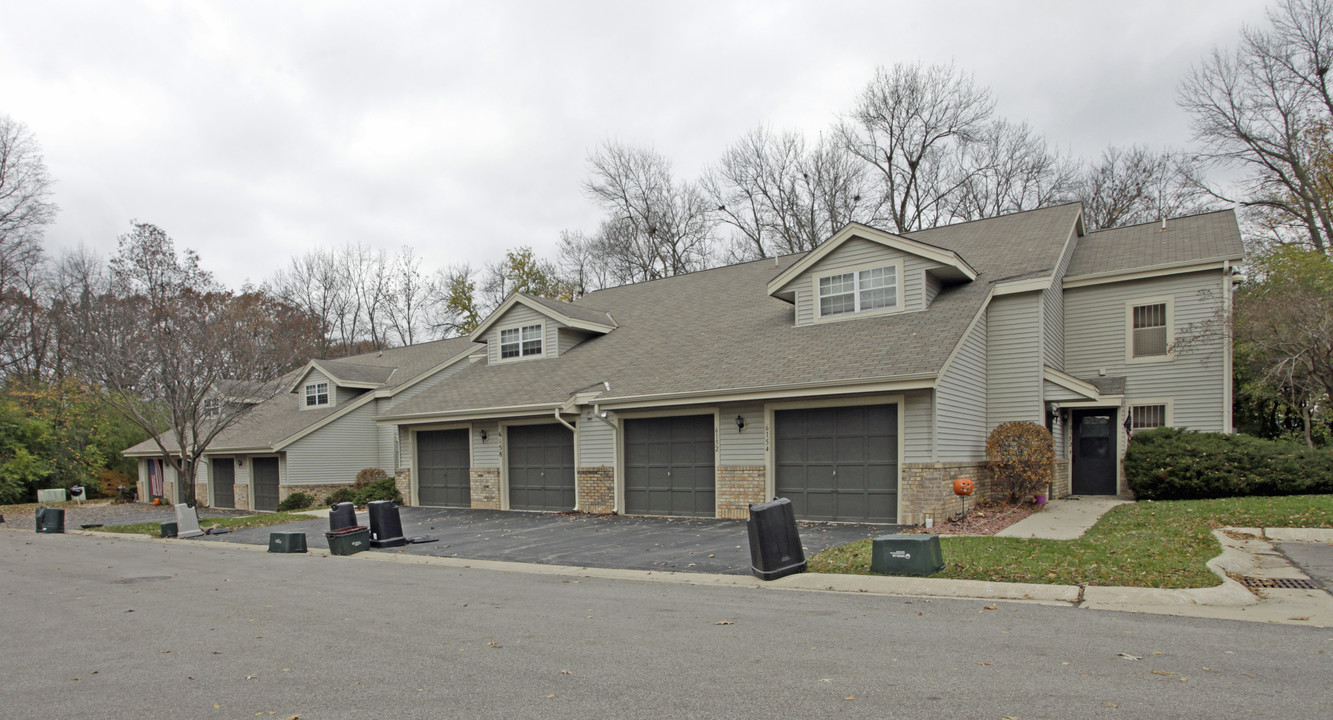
{"x": 286, "y": 542}
{"x": 349, "y": 540}
{"x": 906, "y": 555}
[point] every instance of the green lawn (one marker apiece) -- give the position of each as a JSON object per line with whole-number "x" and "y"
{"x": 1146, "y": 544}
{"x": 233, "y": 523}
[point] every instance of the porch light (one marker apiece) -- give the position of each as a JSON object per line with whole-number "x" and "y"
{"x": 483, "y": 434}
{"x": 740, "y": 423}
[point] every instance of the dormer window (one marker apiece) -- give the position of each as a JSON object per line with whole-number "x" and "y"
{"x": 316, "y": 394}
{"x": 521, "y": 342}
{"x": 859, "y": 291}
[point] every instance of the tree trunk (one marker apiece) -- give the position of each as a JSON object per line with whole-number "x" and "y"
{"x": 1305, "y": 424}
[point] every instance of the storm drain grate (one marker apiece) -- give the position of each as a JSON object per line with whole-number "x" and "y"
{"x": 1283, "y": 583}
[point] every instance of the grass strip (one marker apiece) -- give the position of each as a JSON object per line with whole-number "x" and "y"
{"x": 231, "y": 523}
{"x": 1163, "y": 544}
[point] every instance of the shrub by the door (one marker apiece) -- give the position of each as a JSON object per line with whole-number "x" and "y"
{"x": 1020, "y": 455}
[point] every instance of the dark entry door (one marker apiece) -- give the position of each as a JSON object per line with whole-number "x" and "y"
{"x": 265, "y": 471}
{"x": 1094, "y": 452}
{"x": 443, "y": 464}
{"x": 224, "y": 482}
{"x": 541, "y": 467}
{"x": 839, "y": 463}
{"x": 669, "y": 466}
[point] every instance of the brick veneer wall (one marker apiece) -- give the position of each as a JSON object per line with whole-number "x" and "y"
{"x": 597, "y": 489}
{"x": 168, "y": 492}
{"x": 737, "y": 487}
{"x": 242, "y": 494}
{"x": 926, "y": 489}
{"x": 201, "y": 498}
{"x": 1060, "y": 476}
{"x": 485, "y": 488}
{"x": 402, "y": 479}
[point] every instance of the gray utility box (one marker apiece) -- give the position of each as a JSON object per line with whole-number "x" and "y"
{"x": 906, "y": 555}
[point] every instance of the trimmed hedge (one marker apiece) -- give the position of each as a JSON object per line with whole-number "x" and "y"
{"x": 1174, "y": 464}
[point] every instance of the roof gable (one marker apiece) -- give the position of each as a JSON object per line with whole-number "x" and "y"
{"x": 566, "y": 314}
{"x": 955, "y": 266}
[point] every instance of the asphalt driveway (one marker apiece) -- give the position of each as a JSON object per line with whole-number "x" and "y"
{"x": 604, "y": 541}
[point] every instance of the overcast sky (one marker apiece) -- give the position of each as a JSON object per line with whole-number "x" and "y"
{"x": 255, "y": 131}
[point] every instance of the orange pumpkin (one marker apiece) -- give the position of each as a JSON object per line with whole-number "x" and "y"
{"x": 963, "y": 486}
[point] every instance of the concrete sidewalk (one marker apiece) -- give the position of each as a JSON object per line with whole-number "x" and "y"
{"x": 1064, "y": 519}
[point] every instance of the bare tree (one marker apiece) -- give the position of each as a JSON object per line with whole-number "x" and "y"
{"x": 1012, "y": 169}
{"x": 313, "y": 283}
{"x": 580, "y": 263}
{"x": 1129, "y": 186}
{"x": 913, "y": 124}
{"x": 781, "y": 197}
{"x": 165, "y": 340}
{"x": 25, "y": 211}
{"x": 658, "y": 226}
{"x": 366, "y": 277}
{"x": 407, "y": 296}
{"x": 1265, "y": 108}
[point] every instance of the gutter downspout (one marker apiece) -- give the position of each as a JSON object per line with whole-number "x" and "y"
{"x": 578, "y": 502}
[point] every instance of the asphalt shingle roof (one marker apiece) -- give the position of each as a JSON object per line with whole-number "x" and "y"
{"x": 718, "y": 330}
{"x": 1211, "y": 236}
{"x": 571, "y": 310}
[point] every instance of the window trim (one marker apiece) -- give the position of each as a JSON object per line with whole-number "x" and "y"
{"x": 307, "y": 395}
{"x": 541, "y": 338}
{"x": 1168, "y": 411}
{"x": 899, "y": 283}
{"x": 1170, "y": 302}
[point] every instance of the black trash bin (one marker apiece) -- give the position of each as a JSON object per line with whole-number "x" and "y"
{"x": 342, "y": 515}
{"x": 170, "y": 529}
{"x": 50, "y": 520}
{"x": 386, "y": 527}
{"x": 775, "y": 545}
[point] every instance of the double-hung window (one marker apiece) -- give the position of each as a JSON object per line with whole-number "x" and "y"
{"x": 1149, "y": 330}
{"x": 316, "y": 394}
{"x": 859, "y": 291}
{"x": 521, "y": 342}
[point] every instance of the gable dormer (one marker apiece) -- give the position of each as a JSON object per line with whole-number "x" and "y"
{"x": 864, "y": 272}
{"x": 526, "y": 327}
{"x": 326, "y": 383}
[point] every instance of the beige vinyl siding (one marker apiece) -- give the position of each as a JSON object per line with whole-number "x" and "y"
{"x": 243, "y": 470}
{"x": 520, "y": 315}
{"x": 1095, "y": 338}
{"x": 1053, "y": 317}
{"x": 743, "y": 447}
{"x": 313, "y": 377}
{"x": 597, "y": 441}
{"x": 387, "y": 440}
{"x": 1013, "y": 359}
{"x": 404, "y": 446}
{"x": 486, "y": 454}
{"x": 917, "y": 416}
{"x": 348, "y": 394}
{"x": 858, "y": 253}
{"x": 568, "y": 338}
{"x": 1058, "y": 436}
{"x": 932, "y": 289}
{"x": 960, "y": 412}
{"x": 336, "y": 452}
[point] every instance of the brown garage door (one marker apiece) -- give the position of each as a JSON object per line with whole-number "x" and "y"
{"x": 443, "y": 464}
{"x": 541, "y": 467}
{"x": 839, "y": 463}
{"x": 669, "y": 467}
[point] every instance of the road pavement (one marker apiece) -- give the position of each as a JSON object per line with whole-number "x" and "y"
{"x": 114, "y": 628}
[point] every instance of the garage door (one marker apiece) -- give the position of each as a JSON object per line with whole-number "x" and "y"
{"x": 265, "y": 471}
{"x": 224, "y": 482}
{"x": 669, "y": 466}
{"x": 443, "y": 462}
{"x": 839, "y": 463}
{"x": 541, "y": 467}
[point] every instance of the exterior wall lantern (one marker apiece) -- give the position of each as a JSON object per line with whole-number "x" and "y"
{"x": 740, "y": 423}
{"x": 483, "y": 434}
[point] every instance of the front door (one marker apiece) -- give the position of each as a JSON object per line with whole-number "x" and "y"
{"x": 1094, "y": 452}
{"x": 223, "y": 477}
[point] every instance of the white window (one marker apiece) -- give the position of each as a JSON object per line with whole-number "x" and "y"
{"x": 1144, "y": 417}
{"x": 316, "y": 394}
{"x": 212, "y": 407}
{"x": 859, "y": 291}
{"x": 521, "y": 342}
{"x": 1148, "y": 330}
